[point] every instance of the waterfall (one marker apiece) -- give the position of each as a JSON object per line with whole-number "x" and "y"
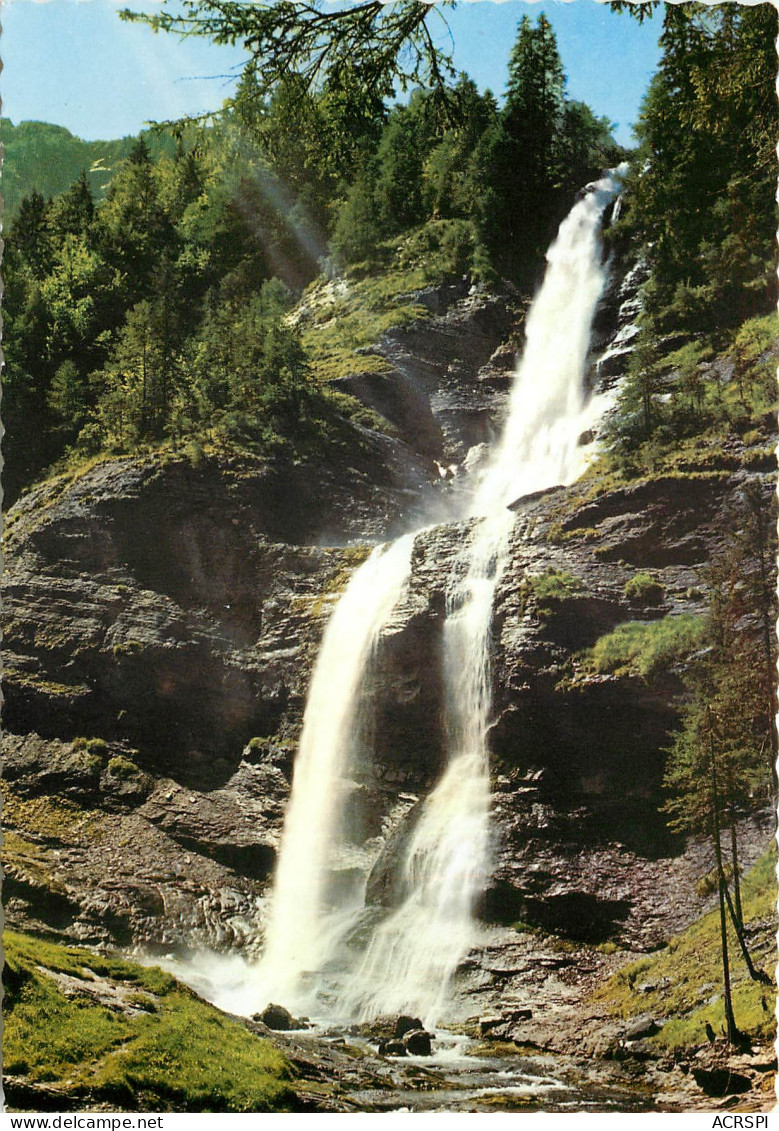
{"x": 306, "y": 922}
{"x": 412, "y": 955}
{"x": 548, "y": 407}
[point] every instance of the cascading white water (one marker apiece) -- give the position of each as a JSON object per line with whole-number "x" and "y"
{"x": 305, "y": 926}
{"x": 414, "y": 953}
{"x": 548, "y": 408}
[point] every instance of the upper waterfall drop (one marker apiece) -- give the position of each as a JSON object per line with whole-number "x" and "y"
{"x": 548, "y": 408}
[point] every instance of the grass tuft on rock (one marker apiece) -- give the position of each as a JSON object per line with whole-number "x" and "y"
{"x": 645, "y": 589}
{"x": 646, "y": 648}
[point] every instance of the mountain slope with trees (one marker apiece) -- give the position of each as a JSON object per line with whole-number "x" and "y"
{"x": 115, "y": 308}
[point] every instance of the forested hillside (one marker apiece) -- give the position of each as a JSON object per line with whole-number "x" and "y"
{"x": 116, "y": 309}
{"x": 39, "y": 157}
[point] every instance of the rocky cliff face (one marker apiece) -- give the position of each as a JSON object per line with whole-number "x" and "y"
{"x": 161, "y": 622}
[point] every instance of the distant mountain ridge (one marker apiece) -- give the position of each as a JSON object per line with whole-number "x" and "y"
{"x": 49, "y": 158}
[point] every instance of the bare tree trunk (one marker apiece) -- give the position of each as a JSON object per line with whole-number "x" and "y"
{"x": 755, "y": 975}
{"x": 730, "y": 1021}
{"x": 759, "y": 508}
{"x": 736, "y": 875}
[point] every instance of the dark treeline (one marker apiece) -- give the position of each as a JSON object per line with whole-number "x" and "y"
{"x": 159, "y": 310}
{"x": 700, "y": 197}
{"x": 700, "y": 209}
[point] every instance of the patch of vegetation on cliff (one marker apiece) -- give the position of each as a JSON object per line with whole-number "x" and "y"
{"x": 49, "y": 816}
{"x": 704, "y": 406}
{"x": 30, "y": 861}
{"x": 681, "y": 985}
{"x": 347, "y": 559}
{"x": 644, "y": 588}
{"x": 645, "y": 648}
{"x": 122, "y": 768}
{"x": 550, "y": 589}
{"x": 32, "y": 682}
{"x": 350, "y": 558}
{"x": 340, "y": 321}
{"x": 696, "y": 412}
{"x": 118, "y": 1033}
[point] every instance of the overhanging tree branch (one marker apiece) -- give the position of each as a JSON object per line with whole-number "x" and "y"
{"x": 384, "y": 42}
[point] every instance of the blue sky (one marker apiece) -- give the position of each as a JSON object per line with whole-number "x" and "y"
{"x": 75, "y": 63}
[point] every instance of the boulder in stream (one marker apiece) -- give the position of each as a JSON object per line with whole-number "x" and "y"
{"x": 278, "y": 1018}
{"x": 392, "y": 1047}
{"x": 418, "y": 1042}
{"x": 405, "y": 1024}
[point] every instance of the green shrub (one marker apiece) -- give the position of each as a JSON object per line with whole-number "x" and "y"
{"x": 645, "y": 588}
{"x": 89, "y": 764}
{"x": 92, "y": 751}
{"x": 645, "y": 649}
{"x": 122, "y": 768}
{"x": 127, "y": 648}
{"x": 555, "y": 585}
{"x": 193, "y": 452}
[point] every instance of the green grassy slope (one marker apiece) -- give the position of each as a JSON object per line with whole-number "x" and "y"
{"x": 681, "y": 985}
{"x": 111, "y": 1032}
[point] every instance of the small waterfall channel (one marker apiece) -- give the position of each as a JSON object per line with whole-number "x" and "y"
{"x": 411, "y": 956}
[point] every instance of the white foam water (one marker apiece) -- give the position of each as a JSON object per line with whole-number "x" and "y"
{"x": 307, "y": 920}
{"x": 549, "y": 408}
{"x": 413, "y": 954}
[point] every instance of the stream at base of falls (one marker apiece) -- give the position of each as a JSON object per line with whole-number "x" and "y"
{"x": 464, "y": 1076}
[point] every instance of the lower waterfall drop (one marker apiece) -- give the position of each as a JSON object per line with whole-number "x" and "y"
{"x": 414, "y": 953}
{"x": 306, "y": 922}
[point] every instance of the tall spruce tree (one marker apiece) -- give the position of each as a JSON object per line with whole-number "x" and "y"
{"x": 521, "y": 202}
